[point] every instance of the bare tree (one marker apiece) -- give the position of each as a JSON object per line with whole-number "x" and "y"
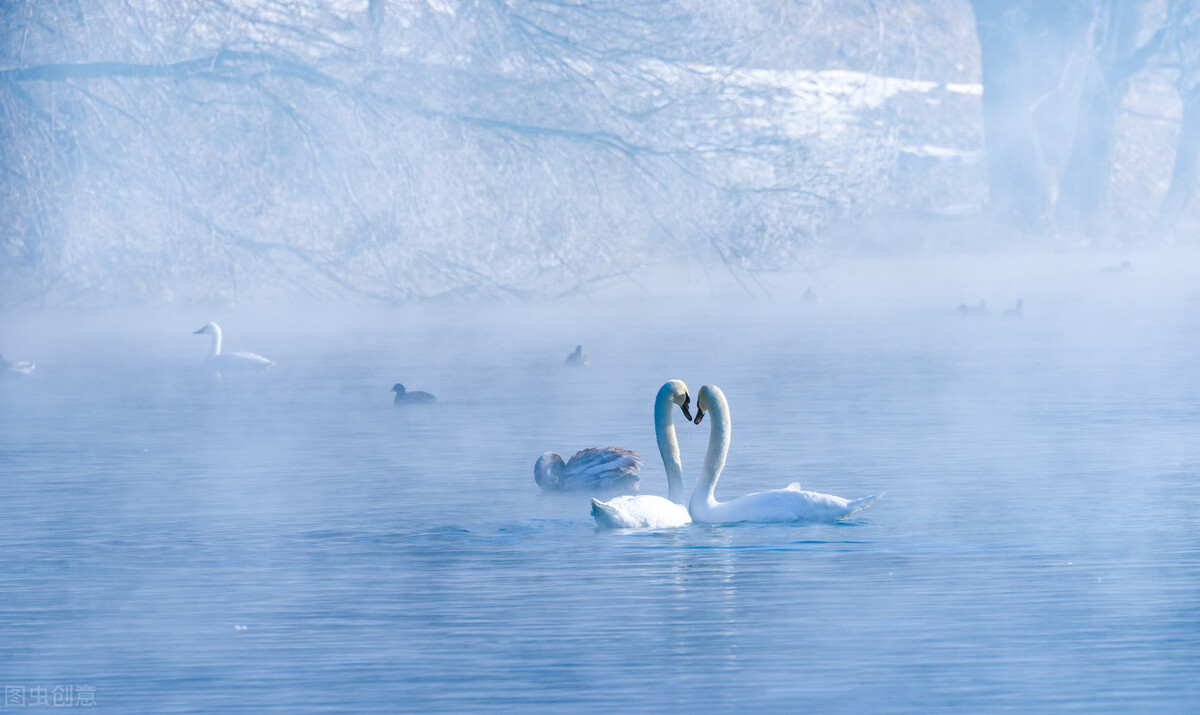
{"x": 213, "y": 150}
{"x": 1183, "y": 32}
{"x": 1116, "y": 55}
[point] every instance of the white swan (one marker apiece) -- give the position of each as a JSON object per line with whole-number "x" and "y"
{"x": 229, "y": 361}
{"x": 646, "y": 511}
{"x": 595, "y": 468}
{"x": 18, "y": 367}
{"x": 778, "y": 505}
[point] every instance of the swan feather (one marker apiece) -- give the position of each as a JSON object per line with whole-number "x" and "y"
{"x": 644, "y": 511}
{"x": 777, "y": 505}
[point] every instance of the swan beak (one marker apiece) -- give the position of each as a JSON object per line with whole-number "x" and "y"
{"x": 198, "y": 332}
{"x": 687, "y": 401}
{"x": 699, "y": 416}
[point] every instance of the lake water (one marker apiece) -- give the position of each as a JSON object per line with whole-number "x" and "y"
{"x": 290, "y": 541}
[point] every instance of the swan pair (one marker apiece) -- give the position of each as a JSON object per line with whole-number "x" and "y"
{"x": 778, "y": 505}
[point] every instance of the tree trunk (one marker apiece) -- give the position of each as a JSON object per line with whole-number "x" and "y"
{"x": 376, "y": 9}
{"x": 1016, "y": 189}
{"x": 1084, "y": 198}
{"x": 1187, "y": 167}
{"x": 1024, "y": 47}
{"x": 1085, "y": 205}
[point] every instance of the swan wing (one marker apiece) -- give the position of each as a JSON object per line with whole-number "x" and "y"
{"x": 602, "y": 468}
{"x": 790, "y": 504}
{"x": 596, "y": 460}
{"x": 242, "y": 359}
{"x": 639, "y": 512}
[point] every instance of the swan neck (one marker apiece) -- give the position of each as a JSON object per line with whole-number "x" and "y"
{"x": 668, "y": 445}
{"x": 216, "y": 342}
{"x": 714, "y": 459}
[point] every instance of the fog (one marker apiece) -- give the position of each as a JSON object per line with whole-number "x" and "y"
{"x": 942, "y": 251}
{"x": 384, "y": 152}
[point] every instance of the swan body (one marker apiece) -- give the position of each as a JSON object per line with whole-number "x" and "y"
{"x": 18, "y": 367}
{"x": 415, "y": 397}
{"x": 778, "y": 505}
{"x": 641, "y": 511}
{"x": 595, "y": 468}
{"x": 230, "y": 361}
{"x": 645, "y": 511}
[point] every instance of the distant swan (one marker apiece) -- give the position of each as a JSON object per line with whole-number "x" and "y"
{"x": 19, "y": 367}
{"x": 229, "y": 361}
{"x": 1017, "y": 312}
{"x": 597, "y": 468}
{"x": 577, "y": 358}
{"x": 778, "y": 505}
{"x": 416, "y": 397}
{"x": 646, "y": 511}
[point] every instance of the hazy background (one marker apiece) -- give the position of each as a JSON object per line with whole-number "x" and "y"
{"x": 234, "y": 153}
{"x": 455, "y": 194}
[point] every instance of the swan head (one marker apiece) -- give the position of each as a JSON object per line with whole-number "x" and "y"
{"x": 678, "y": 393}
{"x": 548, "y": 471}
{"x": 209, "y": 329}
{"x": 710, "y": 396}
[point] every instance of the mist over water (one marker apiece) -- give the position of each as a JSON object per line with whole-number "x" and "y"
{"x": 939, "y": 250}
{"x": 290, "y": 540}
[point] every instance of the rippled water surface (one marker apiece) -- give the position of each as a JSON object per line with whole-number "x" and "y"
{"x": 291, "y": 541}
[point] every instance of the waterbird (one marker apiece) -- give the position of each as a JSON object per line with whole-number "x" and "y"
{"x": 577, "y": 358}
{"x": 1016, "y": 312}
{"x": 594, "y": 468}
{"x": 416, "y": 397}
{"x": 778, "y": 505}
{"x": 229, "y": 361}
{"x": 16, "y": 367}
{"x": 973, "y": 312}
{"x": 648, "y": 511}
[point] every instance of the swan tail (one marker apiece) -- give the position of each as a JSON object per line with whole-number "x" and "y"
{"x": 606, "y": 516}
{"x": 858, "y": 505}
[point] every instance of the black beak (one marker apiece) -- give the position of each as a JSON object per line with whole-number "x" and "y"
{"x": 197, "y": 332}
{"x": 687, "y": 402}
{"x": 699, "y": 416}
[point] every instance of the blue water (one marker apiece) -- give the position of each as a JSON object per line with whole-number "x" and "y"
{"x": 290, "y": 541}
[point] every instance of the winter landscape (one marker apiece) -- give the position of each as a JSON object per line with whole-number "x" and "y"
{"x": 293, "y": 295}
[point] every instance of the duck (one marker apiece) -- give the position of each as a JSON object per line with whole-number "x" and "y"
{"x": 977, "y": 311}
{"x": 416, "y": 397}
{"x": 577, "y": 358}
